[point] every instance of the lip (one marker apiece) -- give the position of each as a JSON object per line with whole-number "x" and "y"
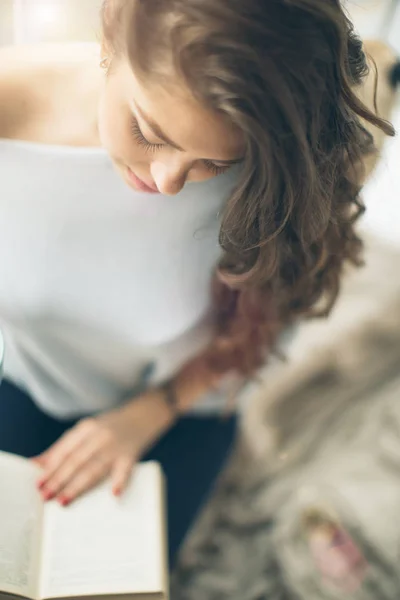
{"x": 140, "y": 185}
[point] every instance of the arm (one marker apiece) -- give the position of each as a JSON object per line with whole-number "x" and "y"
{"x": 111, "y": 444}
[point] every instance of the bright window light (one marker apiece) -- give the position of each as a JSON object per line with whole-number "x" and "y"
{"x": 45, "y": 15}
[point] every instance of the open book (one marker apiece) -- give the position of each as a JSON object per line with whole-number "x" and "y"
{"x": 99, "y": 546}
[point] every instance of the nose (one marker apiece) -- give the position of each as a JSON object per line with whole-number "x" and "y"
{"x": 170, "y": 177}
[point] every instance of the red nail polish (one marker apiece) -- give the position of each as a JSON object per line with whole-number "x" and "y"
{"x": 64, "y": 501}
{"x": 48, "y": 495}
{"x": 117, "y": 491}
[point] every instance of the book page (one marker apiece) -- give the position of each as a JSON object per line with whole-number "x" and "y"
{"x": 106, "y": 545}
{"x": 21, "y": 515}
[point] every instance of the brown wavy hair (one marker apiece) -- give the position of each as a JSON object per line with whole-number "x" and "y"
{"x": 285, "y": 72}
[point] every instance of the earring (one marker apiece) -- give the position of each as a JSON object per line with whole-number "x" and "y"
{"x": 105, "y": 63}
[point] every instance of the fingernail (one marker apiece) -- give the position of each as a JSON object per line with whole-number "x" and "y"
{"x": 41, "y": 483}
{"x": 117, "y": 491}
{"x": 48, "y": 495}
{"x": 64, "y": 501}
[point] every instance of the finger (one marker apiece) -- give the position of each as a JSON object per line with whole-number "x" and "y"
{"x": 70, "y": 467}
{"x": 121, "y": 474}
{"x": 41, "y": 459}
{"x": 61, "y": 450}
{"x": 93, "y": 473}
{"x": 40, "y": 464}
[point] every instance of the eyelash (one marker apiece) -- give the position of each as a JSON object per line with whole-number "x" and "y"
{"x": 215, "y": 169}
{"x": 141, "y": 140}
{"x": 149, "y": 147}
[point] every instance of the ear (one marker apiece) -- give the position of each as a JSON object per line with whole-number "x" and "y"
{"x": 104, "y": 49}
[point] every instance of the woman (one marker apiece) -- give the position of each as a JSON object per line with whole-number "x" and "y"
{"x": 222, "y": 119}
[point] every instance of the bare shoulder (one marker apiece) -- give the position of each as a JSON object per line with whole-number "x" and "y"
{"x": 15, "y": 99}
{"x": 25, "y": 79}
{"x": 35, "y": 82}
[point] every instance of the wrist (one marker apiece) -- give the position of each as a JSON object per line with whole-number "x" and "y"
{"x": 154, "y": 408}
{"x": 191, "y": 384}
{"x": 166, "y": 408}
{"x": 170, "y": 397}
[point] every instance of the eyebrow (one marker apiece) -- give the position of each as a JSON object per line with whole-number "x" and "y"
{"x": 162, "y": 136}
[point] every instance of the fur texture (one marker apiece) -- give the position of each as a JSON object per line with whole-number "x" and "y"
{"x": 308, "y": 508}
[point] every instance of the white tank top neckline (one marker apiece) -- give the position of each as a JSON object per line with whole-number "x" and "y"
{"x": 98, "y": 281}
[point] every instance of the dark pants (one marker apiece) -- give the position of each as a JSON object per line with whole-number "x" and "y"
{"x": 192, "y": 453}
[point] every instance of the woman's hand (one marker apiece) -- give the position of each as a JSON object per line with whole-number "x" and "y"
{"x": 111, "y": 444}
{"x": 107, "y": 445}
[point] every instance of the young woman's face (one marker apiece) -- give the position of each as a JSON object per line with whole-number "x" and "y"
{"x": 159, "y": 137}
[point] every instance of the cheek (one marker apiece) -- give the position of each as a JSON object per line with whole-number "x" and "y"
{"x": 114, "y": 130}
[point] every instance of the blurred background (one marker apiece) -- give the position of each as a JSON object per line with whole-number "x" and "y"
{"x": 27, "y": 21}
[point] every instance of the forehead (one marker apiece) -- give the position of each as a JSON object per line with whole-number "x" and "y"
{"x": 197, "y": 129}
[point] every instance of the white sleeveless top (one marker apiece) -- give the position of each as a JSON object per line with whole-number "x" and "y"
{"x": 98, "y": 281}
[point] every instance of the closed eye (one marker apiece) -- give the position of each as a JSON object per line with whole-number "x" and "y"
{"x": 214, "y": 168}
{"x": 141, "y": 140}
